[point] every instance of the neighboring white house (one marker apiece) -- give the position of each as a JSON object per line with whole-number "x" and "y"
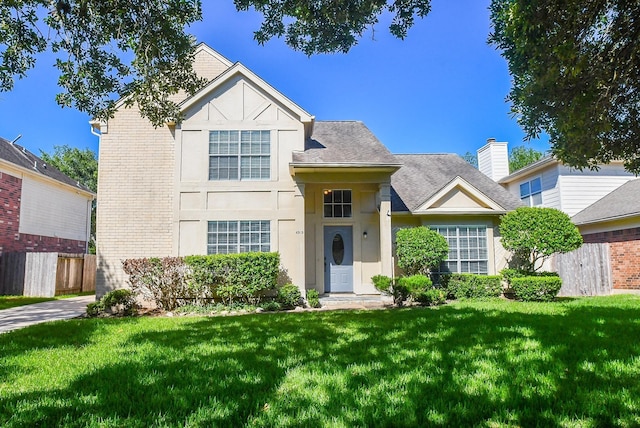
{"x": 549, "y": 183}
{"x": 250, "y": 170}
{"x": 41, "y": 209}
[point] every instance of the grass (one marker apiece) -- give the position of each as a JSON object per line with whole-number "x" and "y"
{"x": 492, "y": 363}
{"x": 7, "y": 302}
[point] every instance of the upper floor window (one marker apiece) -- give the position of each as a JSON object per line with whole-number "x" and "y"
{"x": 225, "y": 237}
{"x": 531, "y": 192}
{"x": 239, "y": 155}
{"x": 337, "y": 203}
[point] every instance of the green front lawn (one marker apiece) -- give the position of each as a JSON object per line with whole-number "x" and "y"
{"x": 497, "y": 363}
{"x": 7, "y": 302}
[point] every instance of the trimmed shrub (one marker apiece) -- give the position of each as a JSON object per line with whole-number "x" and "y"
{"x": 419, "y": 249}
{"x": 163, "y": 281}
{"x": 313, "y": 298}
{"x": 508, "y": 274}
{"x": 430, "y": 296}
{"x": 472, "y": 286}
{"x": 415, "y": 282}
{"x": 172, "y": 282}
{"x": 418, "y": 288}
{"x": 230, "y": 277}
{"x": 537, "y": 288}
{"x": 120, "y": 302}
{"x": 289, "y": 296}
{"x": 382, "y": 283}
{"x": 533, "y": 234}
{"x": 271, "y": 306}
{"x": 388, "y": 286}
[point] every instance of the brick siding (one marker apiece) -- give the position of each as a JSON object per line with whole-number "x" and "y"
{"x": 624, "y": 247}
{"x": 11, "y": 240}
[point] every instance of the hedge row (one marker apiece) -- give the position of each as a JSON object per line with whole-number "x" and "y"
{"x": 470, "y": 286}
{"x": 171, "y": 282}
{"x": 536, "y": 288}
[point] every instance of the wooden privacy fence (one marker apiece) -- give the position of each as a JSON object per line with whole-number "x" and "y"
{"x": 585, "y": 271}
{"x": 47, "y": 274}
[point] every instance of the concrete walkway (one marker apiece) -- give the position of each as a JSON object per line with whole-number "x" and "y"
{"x": 63, "y": 309}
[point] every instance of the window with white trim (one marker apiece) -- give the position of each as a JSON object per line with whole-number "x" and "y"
{"x": 531, "y": 192}
{"x": 467, "y": 249}
{"x": 337, "y": 203}
{"x": 239, "y": 155}
{"x": 238, "y": 236}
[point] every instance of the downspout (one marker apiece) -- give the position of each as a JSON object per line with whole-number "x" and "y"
{"x": 88, "y": 226}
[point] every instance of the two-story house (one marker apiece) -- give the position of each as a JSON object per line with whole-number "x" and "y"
{"x": 250, "y": 170}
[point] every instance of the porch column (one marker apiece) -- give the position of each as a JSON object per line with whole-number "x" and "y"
{"x": 386, "y": 267}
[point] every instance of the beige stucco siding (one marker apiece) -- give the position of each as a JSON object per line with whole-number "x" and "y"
{"x": 48, "y": 209}
{"x": 239, "y": 105}
{"x": 135, "y": 195}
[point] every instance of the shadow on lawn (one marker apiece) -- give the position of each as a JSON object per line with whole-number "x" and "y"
{"x": 412, "y": 367}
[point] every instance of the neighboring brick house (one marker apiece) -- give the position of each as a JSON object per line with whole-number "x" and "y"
{"x": 249, "y": 170}
{"x": 41, "y": 209}
{"x": 615, "y": 219}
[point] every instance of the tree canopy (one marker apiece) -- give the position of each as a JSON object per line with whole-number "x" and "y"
{"x": 521, "y": 156}
{"x": 139, "y": 50}
{"x": 576, "y": 70}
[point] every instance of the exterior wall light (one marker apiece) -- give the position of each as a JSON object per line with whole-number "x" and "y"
{"x": 364, "y": 235}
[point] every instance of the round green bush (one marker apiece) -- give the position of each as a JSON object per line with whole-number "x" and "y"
{"x": 289, "y": 296}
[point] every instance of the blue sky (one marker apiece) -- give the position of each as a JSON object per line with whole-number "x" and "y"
{"x": 442, "y": 90}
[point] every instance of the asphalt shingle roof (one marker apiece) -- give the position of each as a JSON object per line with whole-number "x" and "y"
{"x": 344, "y": 142}
{"x": 423, "y": 175}
{"x": 622, "y": 202}
{"x": 20, "y": 156}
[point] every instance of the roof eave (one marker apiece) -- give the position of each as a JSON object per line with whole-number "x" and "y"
{"x": 306, "y": 167}
{"x": 28, "y": 171}
{"x": 529, "y": 169}
{"x": 606, "y": 219}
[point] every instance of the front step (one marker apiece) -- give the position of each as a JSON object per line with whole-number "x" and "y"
{"x": 354, "y": 301}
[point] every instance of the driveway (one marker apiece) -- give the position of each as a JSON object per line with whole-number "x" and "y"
{"x": 63, "y": 309}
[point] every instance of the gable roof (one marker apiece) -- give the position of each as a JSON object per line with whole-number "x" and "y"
{"x": 23, "y": 158}
{"x": 239, "y": 69}
{"x": 423, "y": 176}
{"x": 624, "y": 202}
{"x": 344, "y": 143}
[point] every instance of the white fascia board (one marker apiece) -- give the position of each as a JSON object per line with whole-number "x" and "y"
{"x": 466, "y": 186}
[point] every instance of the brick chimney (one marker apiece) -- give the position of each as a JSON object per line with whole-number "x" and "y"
{"x": 493, "y": 159}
